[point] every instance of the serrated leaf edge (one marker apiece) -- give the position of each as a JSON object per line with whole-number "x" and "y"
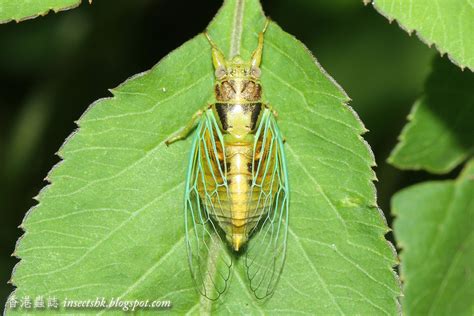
{"x": 430, "y": 44}
{"x": 44, "y": 13}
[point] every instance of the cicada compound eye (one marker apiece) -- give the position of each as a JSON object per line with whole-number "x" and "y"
{"x": 220, "y": 72}
{"x": 255, "y": 72}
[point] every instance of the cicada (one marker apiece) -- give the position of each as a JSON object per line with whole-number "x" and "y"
{"x": 236, "y": 193}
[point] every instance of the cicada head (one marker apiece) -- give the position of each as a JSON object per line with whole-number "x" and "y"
{"x": 236, "y": 68}
{"x": 237, "y": 79}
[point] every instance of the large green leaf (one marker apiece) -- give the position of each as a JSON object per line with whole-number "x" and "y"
{"x": 19, "y": 10}
{"x": 440, "y": 134}
{"x": 111, "y": 222}
{"x": 446, "y": 23}
{"x": 435, "y": 230}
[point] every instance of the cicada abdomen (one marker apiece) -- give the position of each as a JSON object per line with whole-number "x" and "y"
{"x": 237, "y": 184}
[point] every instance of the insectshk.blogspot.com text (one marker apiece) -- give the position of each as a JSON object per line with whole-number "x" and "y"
{"x": 53, "y": 303}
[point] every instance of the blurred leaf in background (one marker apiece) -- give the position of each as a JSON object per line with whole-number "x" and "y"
{"x": 440, "y": 132}
{"x": 434, "y": 219}
{"x": 434, "y": 228}
{"x": 14, "y": 10}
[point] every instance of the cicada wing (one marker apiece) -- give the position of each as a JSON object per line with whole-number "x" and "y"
{"x": 209, "y": 262}
{"x": 266, "y": 249}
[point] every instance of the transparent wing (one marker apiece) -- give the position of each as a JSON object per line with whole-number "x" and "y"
{"x": 266, "y": 248}
{"x": 208, "y": 260}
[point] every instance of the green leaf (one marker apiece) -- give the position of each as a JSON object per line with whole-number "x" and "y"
{"x": 435, "y": 229}
{"x": 111, "y": 222}
{"x": 446, "y": 23}
{"x": 440, "y": 134}
{"x": 19, "y": 10}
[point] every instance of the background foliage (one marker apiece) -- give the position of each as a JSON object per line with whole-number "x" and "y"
{"x": 52, "y": 70}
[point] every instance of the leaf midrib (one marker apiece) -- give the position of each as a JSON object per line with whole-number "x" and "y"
{"x": 236, "y": 36}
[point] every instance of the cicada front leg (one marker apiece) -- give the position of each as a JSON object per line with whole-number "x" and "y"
{"x": 186, "y": 130}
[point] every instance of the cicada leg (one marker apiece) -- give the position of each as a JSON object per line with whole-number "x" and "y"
{"x": 184, "y": 132}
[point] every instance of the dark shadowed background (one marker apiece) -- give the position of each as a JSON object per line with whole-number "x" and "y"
{"x": 53, "y": 67}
